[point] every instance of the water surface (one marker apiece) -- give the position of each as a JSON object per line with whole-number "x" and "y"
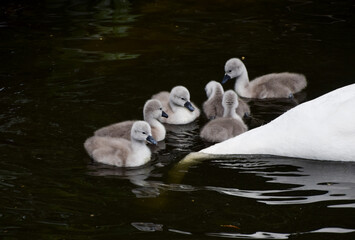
{"x": 71, "y": 67}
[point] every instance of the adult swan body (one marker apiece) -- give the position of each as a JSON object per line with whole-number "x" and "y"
{"x": 320, "y": 129}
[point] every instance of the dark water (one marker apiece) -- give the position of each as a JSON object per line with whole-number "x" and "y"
{"x": 70, "y": 67}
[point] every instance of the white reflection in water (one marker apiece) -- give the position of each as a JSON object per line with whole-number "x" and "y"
{"x": 257, "y": 235}
{"x": 136, "y": 176}
{"x": 179, "y": 231}
{"x": 333, "y": 230}
{"x": 147, "y": 227}
{"x": 307, "y": 181}
{"x": 270, "y": 235}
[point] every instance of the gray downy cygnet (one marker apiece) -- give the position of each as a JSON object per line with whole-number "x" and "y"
{"x": 119, "y": 151}
{"x": 152, "y": 113}
{"x": 230, "y": 125}
{"x": 213, "y": 108}
{"x": 178, "y": 106}
{"x": 273, "y": 85}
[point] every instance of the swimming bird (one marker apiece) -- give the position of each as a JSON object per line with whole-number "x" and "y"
{"x": 321, "y": 129}
{"x": 230, "y": 125}
{"x": 273, "y": 85}
{"x": 213, "y": 108}
{"x": 178, "y": 106}
{"x": 119, "y": 151}
{"x": 152, "y": 112}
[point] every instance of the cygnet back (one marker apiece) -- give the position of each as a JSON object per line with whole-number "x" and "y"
{"x": 213, "y": 106}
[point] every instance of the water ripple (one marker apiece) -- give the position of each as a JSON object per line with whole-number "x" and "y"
{"x": 147, "y": 227}
{"x": 257, "y": 235}
{"x": 298, "y": 181}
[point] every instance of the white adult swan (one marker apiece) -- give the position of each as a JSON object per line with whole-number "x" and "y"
{"x": 121, "y": 152}
{"x": 213, "y": 108}
{"x": 228, "y": 126}
{"x": 178, "y": 106}
{"x": 152, "y": 112}
{"x": 321, "y": 129}
{"x": 273, "y": 85}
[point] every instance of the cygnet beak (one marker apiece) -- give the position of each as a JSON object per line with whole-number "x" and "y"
{"x": 226, "y": 78}
{"x": 151, "y": 140}
{"x": 164, "y": 114}
{"x": 189, "y": 106}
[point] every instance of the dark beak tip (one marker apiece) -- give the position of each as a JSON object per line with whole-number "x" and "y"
{"x": 225, "y": 78}
{"x": 164, "y": 114}
{"x": 189, "y": 106}
{"x": 151, "y": 140}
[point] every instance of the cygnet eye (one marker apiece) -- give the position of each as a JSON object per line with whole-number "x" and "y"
{"x": 184, "y": 99}
{"x": 160, "y": 108}
{"x": 143, "y": 132}
{"x": 229, "y": 71}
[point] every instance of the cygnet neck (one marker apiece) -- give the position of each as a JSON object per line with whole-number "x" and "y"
{"x": 230, "y": 112}
{"x": 153, "y": 122}
{"x": 137, "y": 144}
{"x": 173, "y": 106}
{"x": 216, "y": 92}
{"x": 242, "y": 83}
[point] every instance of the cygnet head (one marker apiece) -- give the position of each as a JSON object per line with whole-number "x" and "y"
{"x": 141, "y": 131}
{"x": 230, "y": 101}
{"x": 213, "y": 87}
{"x": 153, "y": 108}
{"x": 180, "y": 96}
{"x": 233, "y": 68}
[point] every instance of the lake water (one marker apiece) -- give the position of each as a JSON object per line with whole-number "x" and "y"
{"x": 71, "y": 67}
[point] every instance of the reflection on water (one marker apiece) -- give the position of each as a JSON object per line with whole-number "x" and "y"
{"x": 183, "y": 138}
{"x": 264, "y": 111}
{"x": 322, "y": 17}
{"x": 269, "y": 235}
{"x": 257, "y": 235}
{"x": 95, "y": 56}
{"x": 304, "y": 181}
{"x": 147, "y": 227}
{"x": 285, "y": 180}
{"x": 136, "y": 176}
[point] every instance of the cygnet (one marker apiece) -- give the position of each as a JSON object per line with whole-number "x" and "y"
{"x": 230, "y": 125}
{"x": 213, "y": 108}
{"x": 273, "y": 85}
{"x": 119, "y": 151}
{"x": 152, "y": 112}
{"x": 178, "y": 106}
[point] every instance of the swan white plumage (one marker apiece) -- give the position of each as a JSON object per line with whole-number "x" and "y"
{"x": 321, "y": 129}
{"x": 273, "y": 85}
